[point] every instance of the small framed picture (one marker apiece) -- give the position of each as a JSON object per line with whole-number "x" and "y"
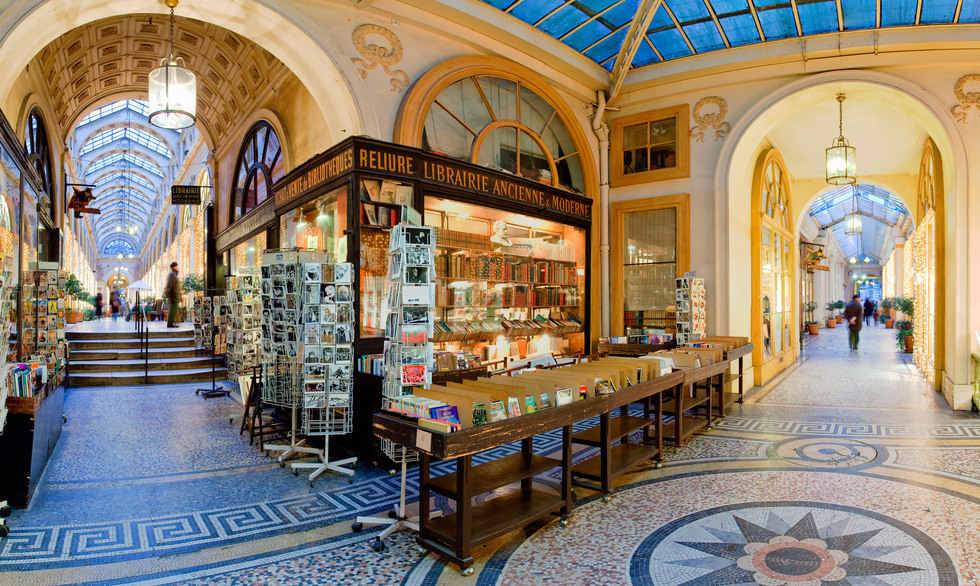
{"x": 343, "y": 272}
{"x": 416, "y": 275}
{"x": 418, "y": 235}
{"x": 343, "y": 293}
{"x": 311, "y": 354}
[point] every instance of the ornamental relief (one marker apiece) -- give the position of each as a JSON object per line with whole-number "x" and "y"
{"x": 709, "y": 114}
{"x": 967, "y": 99}
{"x": 374, "y": 55}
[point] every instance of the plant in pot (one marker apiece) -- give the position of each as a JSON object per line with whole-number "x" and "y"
{"x": 905, "y": 337}
{"x": 190, "y": 284}
{"x": 812, "y": 326}
{"x": 831, "y": 310}
{"x": 73, "y": 287}
{"x": 887, "y": 314}
{"x": 839, "y": 306}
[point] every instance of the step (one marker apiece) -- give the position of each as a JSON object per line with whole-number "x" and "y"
{"x": 137, "y": 354}
{"x": 129, "y": 333}
{"x": 175, "y": 364}
{"x": 117, "y": 379}
{"x": 128, "y": 343}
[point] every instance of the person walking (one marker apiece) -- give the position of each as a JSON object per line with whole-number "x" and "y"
{"x": 869, "y": 309}
{"x": 115, "y": 302}
{"x": 98, "y": 305}
{"x": 172, "y": 292}
{"x": 876, "y": 314}
{"x": 852, "y": 314}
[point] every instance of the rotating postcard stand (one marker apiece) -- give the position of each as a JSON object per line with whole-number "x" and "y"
{"x": 307, "y": 342}
{"x": 408, "y": 350}
{"x": 209, "y": 333}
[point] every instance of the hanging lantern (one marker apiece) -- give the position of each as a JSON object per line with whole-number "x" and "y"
{"x": 853, "y": 223}
{"x": 172, "y": 88}
{"x": 841, "y": 156}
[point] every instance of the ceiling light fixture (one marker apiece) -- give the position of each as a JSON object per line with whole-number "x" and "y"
{"x": 853, "y": 223}
{"x": 172, "y": 88}
{"x": 841, "y": 164}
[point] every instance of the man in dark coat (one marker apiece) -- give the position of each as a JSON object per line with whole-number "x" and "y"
{"x": 172, "y": 292}
{"x": 869, "y": 308}
{"x": 853, "y": 312}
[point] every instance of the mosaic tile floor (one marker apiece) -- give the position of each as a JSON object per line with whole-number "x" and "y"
{"x": 848, "y": 471}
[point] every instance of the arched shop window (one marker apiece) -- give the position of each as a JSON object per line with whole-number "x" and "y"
{"x": 497, "y": 113}
{"x": 259, "y": 165}
{"x": 39, "y": 153}
{"x": 774, "y": 328}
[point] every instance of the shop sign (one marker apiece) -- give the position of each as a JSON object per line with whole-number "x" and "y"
{"x": 256, "y": 220}
{"x": 185, "y": 195}
{"x": 394, "y": 160}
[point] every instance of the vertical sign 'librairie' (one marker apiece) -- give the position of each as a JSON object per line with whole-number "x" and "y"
{"x": 185, "y": 195}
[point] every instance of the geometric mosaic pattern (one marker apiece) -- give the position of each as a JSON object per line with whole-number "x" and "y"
{"x": 966, "y": 430}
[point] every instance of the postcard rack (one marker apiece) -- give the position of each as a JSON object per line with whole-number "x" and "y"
{"x": 210, "y": 333}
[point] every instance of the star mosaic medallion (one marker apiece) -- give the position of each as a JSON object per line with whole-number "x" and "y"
{"x": 790, "y": 546}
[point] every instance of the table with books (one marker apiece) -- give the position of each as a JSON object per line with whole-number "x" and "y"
{"x": 536, "y": 402}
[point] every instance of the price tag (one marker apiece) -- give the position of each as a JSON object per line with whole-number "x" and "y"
{"x": 423, "y": 440}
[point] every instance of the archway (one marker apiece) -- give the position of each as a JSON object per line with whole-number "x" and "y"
{"x": 880, "y": 94}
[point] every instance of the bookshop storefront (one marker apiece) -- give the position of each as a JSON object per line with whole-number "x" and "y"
{"x": 511, "y": 278}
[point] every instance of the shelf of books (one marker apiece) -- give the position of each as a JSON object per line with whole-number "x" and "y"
{"x": 507, "y": 287}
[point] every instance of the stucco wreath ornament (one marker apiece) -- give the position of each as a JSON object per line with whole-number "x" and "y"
{"x": 713, "y": 120}
{"x": 967, "y": 99}
{"x": 375, "y": 55}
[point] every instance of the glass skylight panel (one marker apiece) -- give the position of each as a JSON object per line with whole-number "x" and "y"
{"x": 531, "y": 11}
{"x": 622, "y": 13}
{"x": 130, "y": 158}
{"x": 777, "y": 23}
{"x": 858, "y": 14}
{"x": 563, "y": 21}
{"x": 740, "y": 29}
{"x": 147, "y": 140}
{"x": 119, "y": 247}
{"x": 938, "y": 12}
{"x": 898, "y": 12}
{"x": 126, "y": 177}
{"x": 669, "y": 43}
{"x": 704, "y": 36}
{"x": 138, "y": 106}
{"x": 124, "y": 192}
{"x": 644, "y": 55}
{"x": 609, "y": 47}
{"x": 729, "y": 6}
{"x": 818, "y": 17}
{"x": 970, "y": 11}
{"x": 586, "y": 36}
{"x": 686, "y": 11}
{"x": 102, "y": 139}
{"x": 499, "y": 4}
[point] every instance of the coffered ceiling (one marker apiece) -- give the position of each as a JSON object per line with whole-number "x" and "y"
{"x": 115, "y": 55}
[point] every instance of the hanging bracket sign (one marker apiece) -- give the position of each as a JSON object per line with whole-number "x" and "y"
{"x": 185, "y": 195}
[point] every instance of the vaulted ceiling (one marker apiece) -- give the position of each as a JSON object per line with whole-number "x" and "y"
{"x": 84, "y": 67}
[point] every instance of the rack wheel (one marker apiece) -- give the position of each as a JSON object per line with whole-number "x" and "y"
{"x": 709, "y": 428}
{"x": 374, "y": 463}
{"x": 392, "y": 472}
{"x": 563, "y": 522}
{"x": 282, "y": 464}
{"x": 4, "y": 531}
{"x": 4, "y": 511}
{"x": 64, "y": 418}
{"x": 378, "y": 546}
{"x": 659, "y": 465}
{"x": 295, "y": 472}
{"x": 311, "y": 484}
{"x": 606, "y": 498}
{"x": 392, "y": 514}
{"x": 356, "y": 526}
{"x": 421, "y": 551}
{"x": 466, "y": 572}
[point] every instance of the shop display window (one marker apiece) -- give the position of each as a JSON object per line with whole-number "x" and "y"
{"x": 320, "y": 224}
{"x": 248, "y": 254}
{"x": 381, "y": 205}
{"x": 651, "y": 146}
{"x": 508, "y": 287}
{"x": 649, "y": 269}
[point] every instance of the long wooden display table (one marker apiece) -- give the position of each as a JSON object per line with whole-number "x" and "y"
{"x": 695, "y": 392}
{"x": 454, "y": 536}
{"x": 725, "y": 398}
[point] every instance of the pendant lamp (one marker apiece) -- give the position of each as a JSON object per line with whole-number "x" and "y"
{"x": 172, "y": 88}
{"x": 853, "y": 223}
{"x": 841, "y": 164}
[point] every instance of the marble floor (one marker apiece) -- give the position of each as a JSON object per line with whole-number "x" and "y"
{"x": 847, "y": 470}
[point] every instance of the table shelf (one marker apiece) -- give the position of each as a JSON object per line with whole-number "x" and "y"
{"x": 495, "y": 473}
{"x": 622, "y": 458}
{"x": 619, "y": 427}
{"x": 495, "y": 517}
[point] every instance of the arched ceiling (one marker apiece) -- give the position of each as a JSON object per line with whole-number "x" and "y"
{"x": 879, "y": 209}
{"x": 661, "y": 30}
{"x": 88, "y": 65}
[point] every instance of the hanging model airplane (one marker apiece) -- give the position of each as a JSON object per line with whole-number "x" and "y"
{"x": 80, "y": 200}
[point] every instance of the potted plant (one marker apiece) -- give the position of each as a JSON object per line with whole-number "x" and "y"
{"x": 73, "y": 287}
{"x": 190, "y": 284}
{"x": 831, "y": 309}
{"x": 839, "y": 306}
{"x": 812, "y": 326}
{"x": 887, "y": 304}
{"x": 905, "y": 336}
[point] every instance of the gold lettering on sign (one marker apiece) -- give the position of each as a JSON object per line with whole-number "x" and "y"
{"x": 325, "y": 171}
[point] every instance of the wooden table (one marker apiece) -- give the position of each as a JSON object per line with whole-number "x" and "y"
{"x": 726, "y": 399}
{"x": 688, "y": 397}
{"x": 615, "y": 459}
{"x": 454, "y": 536}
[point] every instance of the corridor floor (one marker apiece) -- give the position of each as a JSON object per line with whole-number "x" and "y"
{"x": 849, "y": 470}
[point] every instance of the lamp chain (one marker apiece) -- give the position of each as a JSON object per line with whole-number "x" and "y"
{"x": 840, "y": 98}
{"x": 172, "y": 5}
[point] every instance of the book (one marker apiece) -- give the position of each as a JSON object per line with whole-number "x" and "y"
{"x": 545, "y": 402}
{"x": 583, "y": 392}
{"x": 563, "y": 396}
{"x": 413, "y": 374}
{"x": 448, "y": 413}
{"x": 438, "y": 425}
{"x": 388, "y": 192}
{"x": 530, "y": 404}
{"x": 479, "y": 414}
{"x": 513, "y": 407}
{"x": 373, "y": 189}
{"x": 496, "y": 412}
{"x": 603, "y": 386}
{"x": 403, "y": 195}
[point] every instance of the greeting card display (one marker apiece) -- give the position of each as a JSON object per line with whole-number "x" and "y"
{"x": 44, "y": 299}
{"x": 690, "y": 301}
{"x": 244, "y": 322}
{"x": 211, "y": 323}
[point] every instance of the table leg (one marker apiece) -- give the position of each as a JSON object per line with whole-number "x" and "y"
{"x": 658, "y": 428}
{"x": 423, "y": 491}
{"x": 604, "y": 456}
{"x": 464, "y": 507}
{"x": 526, "y": 449}
{"x": 566, "y": 469}
{"x": 740, "y": 390}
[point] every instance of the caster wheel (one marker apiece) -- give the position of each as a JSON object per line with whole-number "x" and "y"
{"x": 311, "y": 484}
{"x": 563, "y": 522}
{"x": 350, "y": 480}
{"x": 606, "y": 498}
{"x": 4, "y": 531}
{"x": 295, "y": 472}
{"x": 709, "y": 428}
{"x": 466, "y": 572}
{"x": 392, "y": 472}
{"x": 355, "y": 527}
{"x": 378, "y": 546}
{"x": 64, "y": 418}
{"x": 421, "y": 551}
{"x": 374, "y": 463}
{"x": 659, "y": 465}
{"x": 4, "y": 512}
{"x": 282, "y": 464}
{"x": 392, "y": 514}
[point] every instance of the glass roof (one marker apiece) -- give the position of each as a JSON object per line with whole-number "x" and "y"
{"x": 126, "y": 176}
{"x": 119, "y": 247}
{"x": 115, "y": 159}
{"x": 880, "y": 210}
{"x": 134, "y": 134}
{"x": 596, "y": 28}
{"x": 138, "y": 106}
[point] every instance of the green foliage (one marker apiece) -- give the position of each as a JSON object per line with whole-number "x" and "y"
{"x": 811, "y": 323}
{"x": 887, "y": 303}
{"x": 906, "y": 305}
{"x": 904, "y": 332}
{"x": 884, "y": 317}
{"x": 85, "y": 297}
{"x": 88, "y": 315}
{"x": 831, "y": 308}
{"x": 809, "y": 306}
{"x": 193, "y": 283}
{"x": 73, "y": 287}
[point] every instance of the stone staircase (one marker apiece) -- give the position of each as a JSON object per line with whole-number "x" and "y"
{"x": 100, "y": 359}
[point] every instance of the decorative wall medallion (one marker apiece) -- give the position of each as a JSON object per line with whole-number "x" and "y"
{"x": 374, "y": 55}
{"x": 967, "y": 99}
{"x": 790, "y": 544}
{"x": 711, "y": 119}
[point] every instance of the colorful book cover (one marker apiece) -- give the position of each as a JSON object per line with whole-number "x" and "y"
{"x": 479, "y": 414}
{"x": 563, "y": 396}
{"x": 545, "y": 402}
{"x": 530, "y": 404}
{"x": 513, "y": 407}
{"x": 497, "y": 412}
{"x": 448, "y": 413}
{"x": 583, "y": 392}
{"x": 603, "y": 387}
{"x": 413, "y": 374}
